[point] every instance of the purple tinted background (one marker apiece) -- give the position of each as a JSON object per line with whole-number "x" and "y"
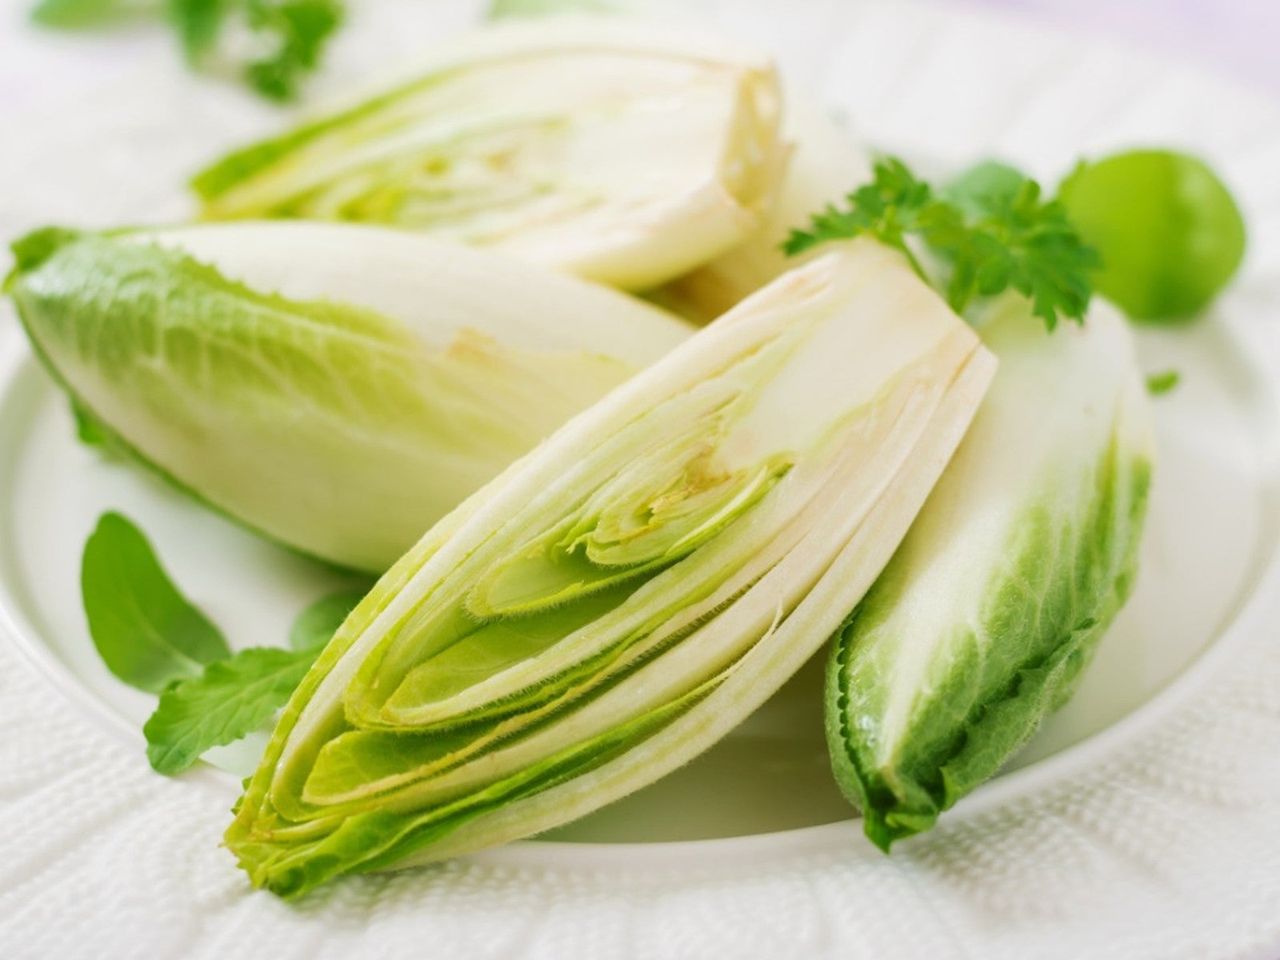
{"x": 1236, "y": 38}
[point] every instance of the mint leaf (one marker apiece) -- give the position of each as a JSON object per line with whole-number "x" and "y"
{"x": 317, "y": 624}
{"x": 146, "y": 632}
{"x": 230, "y": 699}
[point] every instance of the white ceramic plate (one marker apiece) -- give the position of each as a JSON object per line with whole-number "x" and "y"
{"x": 1142, "y": 821}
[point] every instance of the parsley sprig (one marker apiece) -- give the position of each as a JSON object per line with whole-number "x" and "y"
{"x": 292, "y": 34}
{"x": 991, "y": 229}
{"x": 298, "y": 31}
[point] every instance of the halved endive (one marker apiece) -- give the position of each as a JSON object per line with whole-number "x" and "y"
{"x": 337, "y": 388}
{"x": 606, "y": 148}
{"x": 992, "y": 606}
{"x": 625, "y": 595}
{"x": 825, "y": 161}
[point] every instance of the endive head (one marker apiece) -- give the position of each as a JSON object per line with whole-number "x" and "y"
{"x": 824, "y": 161}
{"x": 337, "y": 388}
{"x": 623, "y": 596}
{"x": 1023, "y": 554}
{"x": 613, "y": 150}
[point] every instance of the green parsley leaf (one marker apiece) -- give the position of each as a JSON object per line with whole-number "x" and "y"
{"x": 299, "y": 30}
{"x": 991, "y": 230}
{"x": 230, "y": 699}
{"x": 978, "y": 186}
{"x": 292, "y": 32}
{"x": 317, "y": 624}
{"x": 1162, "y": 382}
{"x": 198, "y": 23}
{"x": 889, "y": 207}
{"x": 146, "y": 632}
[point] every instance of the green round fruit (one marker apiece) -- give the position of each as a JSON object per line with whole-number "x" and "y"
{"x": 1168, "y": 230}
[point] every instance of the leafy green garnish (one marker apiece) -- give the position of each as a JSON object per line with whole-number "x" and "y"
{"x": 293, "y": 32}
{"x": 972, "y": 189}
{"x": 1170, "y": 233}
{"x": 992, "y": 231}
{"x": 230, "y": 699}
{"x": 146, "y": 632}
{"x": 1162, "y": 382}
{"x": 89, "y": 430}
{"x": 300, "y": 29}
{"x": 92, "y": 432}
{"x": 152, "y": 638}
{"x": 318, "y": 622}
{"x": 198, "y": 23}
{"x": 236, "y": 696}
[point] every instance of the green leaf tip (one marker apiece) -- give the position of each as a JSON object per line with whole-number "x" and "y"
{"x": 33, "y": 249}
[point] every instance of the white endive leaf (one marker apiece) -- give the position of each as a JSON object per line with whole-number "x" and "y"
{"x": 825, "y": 162}
{"x": 615, "y": 150}
{"x": 337, "y": 388}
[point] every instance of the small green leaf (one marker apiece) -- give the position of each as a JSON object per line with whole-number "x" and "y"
{"x": 146, "y": 632}
{"x": 982, "y": 184}
{"x": 317, "y": 624}
{"x": 89, "y": 429}
{"x": 1162, "y": 382}
{"x": 230, "y": 699}
{"x": 92, "y": 432}
{"x": 1169, "y": 231}
{"x": 298, "y": 31}
{"x": 291, "y": 32}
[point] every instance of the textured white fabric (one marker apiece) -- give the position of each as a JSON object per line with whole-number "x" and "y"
{"x": 1165, "y": 846}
